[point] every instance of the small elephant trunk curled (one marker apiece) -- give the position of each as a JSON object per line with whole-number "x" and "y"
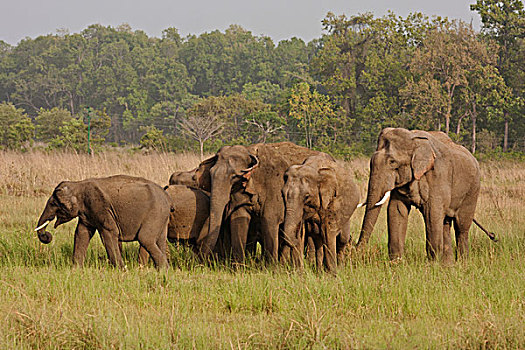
{"x": 43, "y": 235}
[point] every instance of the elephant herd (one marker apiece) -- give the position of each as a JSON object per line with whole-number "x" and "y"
{"x": 284, "y": 197}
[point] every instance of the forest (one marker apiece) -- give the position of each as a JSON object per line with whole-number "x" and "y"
{"x": 118, "y": 87}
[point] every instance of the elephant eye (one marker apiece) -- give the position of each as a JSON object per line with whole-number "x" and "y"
{"x": 393, "y": 163}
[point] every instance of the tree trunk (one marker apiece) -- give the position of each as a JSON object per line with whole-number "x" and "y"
{"x": 458, "y": 128}
{"x": 474, "y": 117}
{"x": 201, "y": 144}
{"x": 506, "y": 134}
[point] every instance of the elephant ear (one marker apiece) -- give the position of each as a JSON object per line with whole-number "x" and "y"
{"x": 66, "y": 198}
{"x": 423, "y": 156}
{"x": 327, "y": 186}
{"x": 247, "y": 174}
{"x": 202, "y": 174}
{"x": 382, "y": 142}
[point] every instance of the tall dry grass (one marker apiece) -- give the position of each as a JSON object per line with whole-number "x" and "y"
{"x": 46, "y": 304}
{"x": 37, "y": 173}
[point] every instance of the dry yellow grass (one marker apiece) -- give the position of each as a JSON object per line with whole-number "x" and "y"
{"x": 37, "y": 173}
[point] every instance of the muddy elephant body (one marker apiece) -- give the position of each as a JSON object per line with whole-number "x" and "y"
{"x": 429, "y": 171}
{"x": 121, "y": 208}
{"x": 245, "y": 185}
{"x": 322, "y": 195}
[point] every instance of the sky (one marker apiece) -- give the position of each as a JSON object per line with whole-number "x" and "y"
{"x": 278, "y": 19}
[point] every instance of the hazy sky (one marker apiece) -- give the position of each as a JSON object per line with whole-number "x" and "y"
{"x": 279, "y": 19}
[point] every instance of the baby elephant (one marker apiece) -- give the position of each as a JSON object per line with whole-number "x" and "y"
{"x": 185, "y": 178}
{"x": 322, "y": 195}
{"x": 121, "y": 208}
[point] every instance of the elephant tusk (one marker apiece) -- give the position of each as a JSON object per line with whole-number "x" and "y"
{"x": 384, "y": 199}
{"x": 361, "y": 205}
{"x": 42, "y": 226}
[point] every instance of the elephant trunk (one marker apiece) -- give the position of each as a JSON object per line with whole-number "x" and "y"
{"x": 47, "y": 216}
{"x": 219, "y": 198}
{"x": 377, "y": 195}
{"x": 292, "y": 234}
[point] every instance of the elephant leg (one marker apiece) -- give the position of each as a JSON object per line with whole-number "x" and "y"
{"x": 83, "y": 235}
{"x": 143, "y": 256}
{"x": 152, "y": 236}
{"x": 270, "y": 235}
{"x": 311, "y": 232}
{"x": 462, "y": 225}
{"x": 252, "y": 239}
{"x": 448, "y": 256}
{"x": 110, "y": 240}
{"x": 120, "y": 249}
{"x": 285, "y": 254}
{"x": 319, "y": 251}
{"x": 162, "y": 242}
{"x": 224, "y": 247}
{"x": 343, "y": 239}
{"x": 434, "y": 218}
{"x": 397, "y": 217}
{"x": 310, "y": 249}
{"x": 330, "y": 250}
{"x": 239, "y": 227}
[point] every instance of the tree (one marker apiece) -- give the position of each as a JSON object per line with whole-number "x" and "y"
{"x": 267, "y": 123}
{"x": 73, "y": 133}
{"x": 153, "y": 138}
{"x": 48, "y": 122}
{"x": 504, "y": 21}
{"x": 441, "y": 67}
{"x": 203, "y": 122}
{"x": 313, "y": 113}
{"x": 16, "y": 129}
{"x": 222, "y": 63}
{"x": 263, "y": 91}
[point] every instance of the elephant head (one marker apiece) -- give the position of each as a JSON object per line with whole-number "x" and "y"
{"x": 231, "y": 166}
{"x": 185, "y": 178}
{"x": 63, "y": 204}
{"x": 402, "y": 156}
{"x": 307, "y": 190}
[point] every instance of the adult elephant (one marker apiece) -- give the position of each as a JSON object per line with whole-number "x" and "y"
{"x": 121, "y": 208}
{"x": 245, "y": 185}
{"x": 324, "y": 195}
{"x": 429, "y": 171}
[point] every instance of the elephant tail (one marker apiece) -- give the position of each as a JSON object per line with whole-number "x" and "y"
{"x": 491, "y": 235}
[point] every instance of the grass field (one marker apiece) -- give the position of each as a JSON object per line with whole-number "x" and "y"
{"x": 46, "y": 304}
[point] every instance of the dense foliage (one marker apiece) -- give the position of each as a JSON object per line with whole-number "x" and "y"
{"x": 334, "y": 93}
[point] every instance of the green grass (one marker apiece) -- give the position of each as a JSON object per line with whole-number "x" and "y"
{"x": 478, "y": 303}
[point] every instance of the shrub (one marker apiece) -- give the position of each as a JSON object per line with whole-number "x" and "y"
{"x": 16, "y": 129}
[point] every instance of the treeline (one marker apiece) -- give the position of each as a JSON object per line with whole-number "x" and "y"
{"x": 334, "y": 93}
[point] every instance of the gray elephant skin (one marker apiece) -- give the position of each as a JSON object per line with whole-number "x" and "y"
{"x": 185, "y": 178}
{"x": 245, "y": 185}
{"x": 189, "y": 216}
{"x": 324, "y": 195}
{"x": 429, "y": 171}
{"x": 121, "y": 208}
